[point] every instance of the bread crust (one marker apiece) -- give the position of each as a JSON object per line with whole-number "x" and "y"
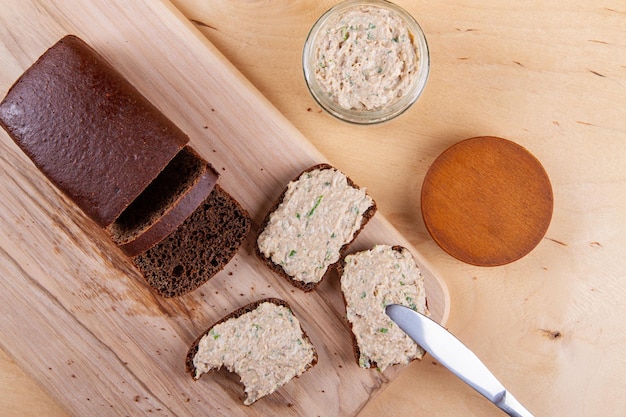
{"x": 189, "y": 366}
{"x": 309, "y": 286}
{"x": 355, "y": 346}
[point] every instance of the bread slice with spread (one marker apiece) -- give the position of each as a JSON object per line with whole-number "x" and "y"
{"x": 306, "y": 232}
{"x": 371, "y": 280}
{"x": 262, "y": 342}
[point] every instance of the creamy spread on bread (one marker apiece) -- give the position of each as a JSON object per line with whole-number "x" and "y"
{"x": 265, "y": 347}
{"x": 320, "y": 212}
{"x": 366, "y": 58}
{"x": 370, "y": 281}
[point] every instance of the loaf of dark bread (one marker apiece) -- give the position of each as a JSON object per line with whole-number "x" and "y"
{"x": 263, "y": 338}
{"x": 370, "y": 280}
{"x": 311, "y": 225}
{"x": 125, "y": 164}
{"x": 97, "y": 138}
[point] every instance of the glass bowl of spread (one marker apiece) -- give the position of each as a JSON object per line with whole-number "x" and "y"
{"x": 366, "y": 61}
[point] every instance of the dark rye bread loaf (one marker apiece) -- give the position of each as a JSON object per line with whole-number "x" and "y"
{"x": 273, "y": 343}
{"x": 105, "y": 146}
{"x": 198, "y": 249}
{"x": 299, "y": 223}
{"x": 97, "y": 138}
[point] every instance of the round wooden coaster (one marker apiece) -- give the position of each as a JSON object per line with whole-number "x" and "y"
{"x": 487, "y": 201}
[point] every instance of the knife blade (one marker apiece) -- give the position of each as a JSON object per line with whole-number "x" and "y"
{"x": 454, "y": 355}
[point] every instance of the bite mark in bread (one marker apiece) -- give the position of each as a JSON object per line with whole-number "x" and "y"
{"x": 317, "y": 216}
{"x": 262, "y": 342}
{"x": 371, "y": 280}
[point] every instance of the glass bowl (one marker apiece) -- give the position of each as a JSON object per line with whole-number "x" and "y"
{"x": 348, "y": 61}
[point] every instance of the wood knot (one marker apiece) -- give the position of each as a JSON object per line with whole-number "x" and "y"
{"x": 551, "y": 334}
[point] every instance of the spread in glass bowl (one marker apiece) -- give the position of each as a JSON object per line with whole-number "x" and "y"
{"x": 366, "y": 61}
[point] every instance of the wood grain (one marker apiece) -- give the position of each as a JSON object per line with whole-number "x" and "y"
{"x": 549, "y": 75}
{"x": 80, "y": 319}
{"x": 487, "y": 201}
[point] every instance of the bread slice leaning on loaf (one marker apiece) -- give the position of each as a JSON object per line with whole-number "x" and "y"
{"x": 311, "y": 225}
{"x": 125, "y": 164}
{"x": 165, "y": 203}
{"x": 371, "y": 280}
{"x": 262, "y": 342}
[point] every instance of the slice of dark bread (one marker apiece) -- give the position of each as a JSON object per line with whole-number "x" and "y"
{"x": 199, "y": 248}
{"x": 178, "y": 190}
{"x": 259, "y": 335}
{"x": 321, "y": 200}
{"x": 370, "y": 280}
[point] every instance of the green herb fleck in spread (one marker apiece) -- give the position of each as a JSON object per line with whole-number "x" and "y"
{"x": 318, "y": 200}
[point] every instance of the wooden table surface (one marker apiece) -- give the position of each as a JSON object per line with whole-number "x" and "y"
{"x": 548, "y": 75}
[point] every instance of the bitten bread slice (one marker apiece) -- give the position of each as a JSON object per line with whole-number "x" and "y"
{"x": 318, "y": 215}
{"x": 371, "y": 280}
{"x": 262, "y": 342}
{"x": 198, "y": 249}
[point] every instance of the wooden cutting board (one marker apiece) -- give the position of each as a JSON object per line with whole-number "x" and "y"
{"x": 75, "y": 314}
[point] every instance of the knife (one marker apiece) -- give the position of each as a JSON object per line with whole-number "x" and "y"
{"x": 454, "y": 355}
